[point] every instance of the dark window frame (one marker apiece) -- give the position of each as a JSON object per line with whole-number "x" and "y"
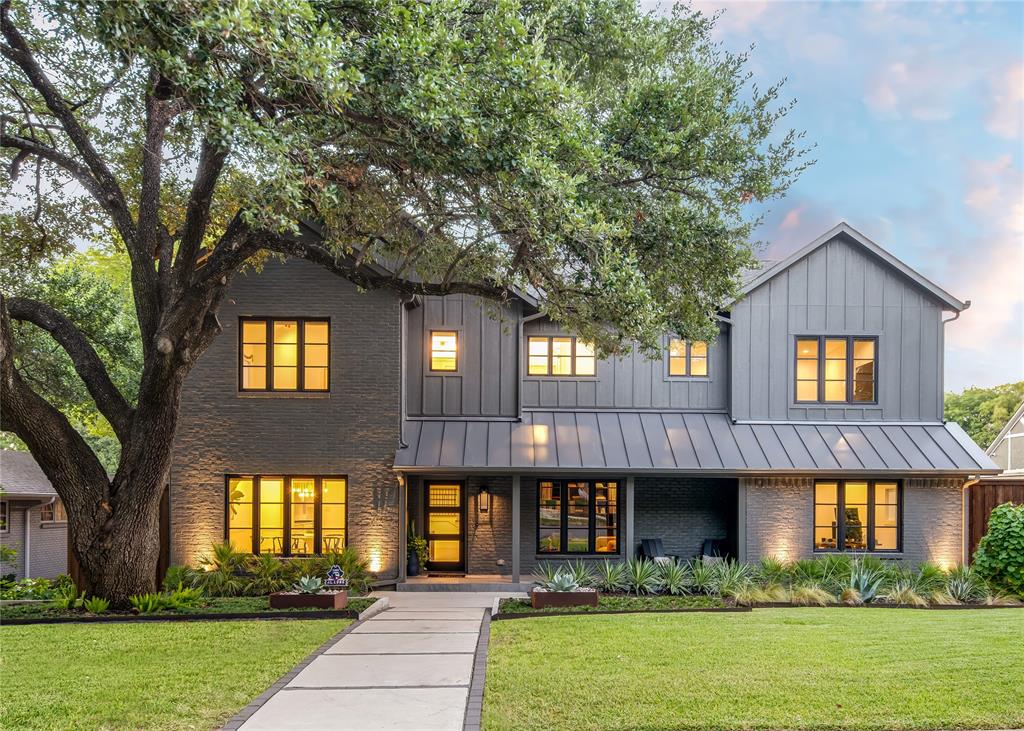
{"x": 430, "y": 350}
{"x": 563, "y": 530}
{"x": 551, "y": 358}
{"x": 286, "y": 510}
{"x": 850, "y": 340}
{"x": 5, "y": 516}
{"x": 688, "y": 360}
{"x": 841, "y": 517}
{"x": 300, "y": 379}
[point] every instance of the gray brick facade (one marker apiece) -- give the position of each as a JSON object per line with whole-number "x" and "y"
{"x": 684, "y": 511}
{"x": 779, "y": 519}
{"x": 351, "y": 431}
{"x": 48, "y": 543}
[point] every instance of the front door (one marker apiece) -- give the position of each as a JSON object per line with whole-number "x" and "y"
{"x": 446, "y": 526}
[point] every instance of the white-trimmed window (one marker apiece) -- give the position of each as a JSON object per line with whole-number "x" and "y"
{"x": 53, "y": 512}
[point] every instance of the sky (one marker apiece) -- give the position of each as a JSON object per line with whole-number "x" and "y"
{"x": 916, "y": 110}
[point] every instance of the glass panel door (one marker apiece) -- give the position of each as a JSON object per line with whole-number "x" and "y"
{"x": 445, "y": 526}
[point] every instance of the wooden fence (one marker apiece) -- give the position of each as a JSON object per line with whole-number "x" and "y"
{"x": 982, "y": 497}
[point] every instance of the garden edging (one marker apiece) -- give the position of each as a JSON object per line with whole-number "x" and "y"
{"x": 209, "y": 617}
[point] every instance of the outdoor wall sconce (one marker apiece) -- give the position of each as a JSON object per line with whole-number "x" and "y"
{"x": 483, "y": 499}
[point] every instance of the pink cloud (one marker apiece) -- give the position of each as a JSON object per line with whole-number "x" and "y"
{"x": 1006, "y": 118}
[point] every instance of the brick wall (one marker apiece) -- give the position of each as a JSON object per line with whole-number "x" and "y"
{"x": 683, "y": 512}
{"x": 48, "y": 545}
{"x": 779, "y": 514}
{"x": 351, "y": 431}
{"x": 489, "y": 535}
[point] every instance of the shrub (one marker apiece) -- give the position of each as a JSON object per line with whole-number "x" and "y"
{"x": 147, "y": 603}
{"x": 771, "y": 570}
{"x": 308, "y": 585}
{"x": 544, "y": 572}
{"x": 1000, "y": 555}
{"x": 182, "y": 597}
{"x": 67, "y": 598}
{"x": 903, "y": 593}
{"x": 177, "y": 576}
{"x": 267, "y": 575}
{"x": 863, "y": 583}
{"x": 674, "y": 578}
{"x": 581, "y": 572}
{"x": 731, "y": 577}
{"x": 703, "y": 576}
{"x": 96, "y": 605}
{"x": 811, "y": 595}
{"x": 28, "y": 589}
{"x": 610, "y": 576}
{"x": 964, "y": 585}
{"x": 642, "y": 576}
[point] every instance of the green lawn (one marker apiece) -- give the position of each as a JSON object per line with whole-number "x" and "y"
{"x": 211, "y": 605}
{"x": 145, "y": 676}
{"x": 768, "y": 669}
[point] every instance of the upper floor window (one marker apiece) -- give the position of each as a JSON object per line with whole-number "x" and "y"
{"x": 444, "y": 350}
{"x": 686, "y": 358}
{"x": 836, "y": 370}
{"x": 856, "y": 515}
{"x": 284, "y": 354}
{"x": 560, "y": 356}
{"x": 286, "y": 516}
{"x": 53, "y": 513}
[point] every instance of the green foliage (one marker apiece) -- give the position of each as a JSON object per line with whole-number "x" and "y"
{"x": 903, "y": 592}
{"x": 581, "y": 572}
{"x": 865, "y": 580}
{"x": 176, "y": 576}
{"x": 67, "y": 597}
{"x": 418, "y": 546}
{"x": 268, "y": 574}
{"x": 1000, "y": 555}
{"x": 642, "y": 576}
{"x": 8, "y": 553}
{"x": 704, "y": 575}
{"x": 965, "y": 585}
{"x": 610, "y": 576}
{"x": 674, "y": 578}
{"x": 731, "y": 577}
{"x": 182, "y": 597}
{"x": 148, "y": 603}
{"x": 96, "y": 605}
{"x": 563, "y": 580}
{"x": 308, "y": 585}
{"x": 27, "y": 589}
{"x": 811, "y": 595}
{"x": 545, "y": 571}
{"x": 983, "y": 412}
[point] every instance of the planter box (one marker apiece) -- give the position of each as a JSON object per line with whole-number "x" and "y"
{"x": 332, "y": 600}
{"x": 542, "y": 599}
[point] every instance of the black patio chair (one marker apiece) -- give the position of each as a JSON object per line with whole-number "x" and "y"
{"x": 654, "y": 549}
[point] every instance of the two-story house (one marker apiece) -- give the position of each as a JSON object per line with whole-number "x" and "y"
{"x": 325, "y": 417}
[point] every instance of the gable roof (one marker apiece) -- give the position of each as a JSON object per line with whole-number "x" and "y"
{"x": 854, "y": 236}
{"x": 20, "y": 474}
{"x": 1017, "y": 416}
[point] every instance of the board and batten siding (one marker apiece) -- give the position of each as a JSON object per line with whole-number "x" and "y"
{"x": 485, "y": 382}
{"x": 838, "y": 289}
{"x": 632, "y": 381}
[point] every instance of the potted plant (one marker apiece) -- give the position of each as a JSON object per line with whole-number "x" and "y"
{"x": 563, "y": 590}
{"x": 309, "y": 593}
{"x": 417, "y": 554}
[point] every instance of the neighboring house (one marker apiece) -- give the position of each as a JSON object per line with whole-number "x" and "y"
{"x": 1007, "y": 451}
{"x": 32, "y": 519}
{"x": 325, "y": 417}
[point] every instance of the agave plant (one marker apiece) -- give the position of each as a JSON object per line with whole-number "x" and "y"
{"x": 581, "y": 571}
{"x": 308, "y": 585}
{"x": 674, "y": 578}
{"x": 610, "y": 576}
{"x": 964, "y": 585}
{"x": 703, "y": 576}
{"x": 562, "y": 581}
{"x": 865, "y": 580}
{"x": 545, "y": 572}
{"x": 642, "y": 576}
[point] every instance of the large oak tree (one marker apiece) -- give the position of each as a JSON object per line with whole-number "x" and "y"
{"x": 582, "y": 149}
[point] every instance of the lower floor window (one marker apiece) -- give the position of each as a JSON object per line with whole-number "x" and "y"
{"x": 53, "y": 512}
{"x": 857, "y": 515}
{"x": 577, "y": 516}
{"x": 286, "y": 516}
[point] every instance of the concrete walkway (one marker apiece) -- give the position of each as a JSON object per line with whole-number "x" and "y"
{"x": 409, "y": 667}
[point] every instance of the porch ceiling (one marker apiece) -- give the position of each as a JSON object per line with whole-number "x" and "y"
{"x": 706, "y": 443}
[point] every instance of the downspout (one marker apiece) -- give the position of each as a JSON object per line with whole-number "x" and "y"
{"x": 942, "y": 362}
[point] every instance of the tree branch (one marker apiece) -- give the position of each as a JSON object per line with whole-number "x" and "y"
{"x": 211, "y": 162}
{"x": 59, "y": 449}
{"x": 109, "y": 400}
{"x": 18, "y": 51}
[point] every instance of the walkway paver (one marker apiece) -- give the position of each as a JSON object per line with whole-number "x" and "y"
{"x": 410, "y": 667}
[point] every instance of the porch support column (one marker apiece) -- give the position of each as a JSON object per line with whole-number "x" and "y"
{"x": 516, "y": 503}
{"x": 627, "y": 531}
{"x": 741, "y": 520}
{"x": 403, "y": 525}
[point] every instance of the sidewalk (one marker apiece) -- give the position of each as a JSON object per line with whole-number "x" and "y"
{"x": 410, "y": 667}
